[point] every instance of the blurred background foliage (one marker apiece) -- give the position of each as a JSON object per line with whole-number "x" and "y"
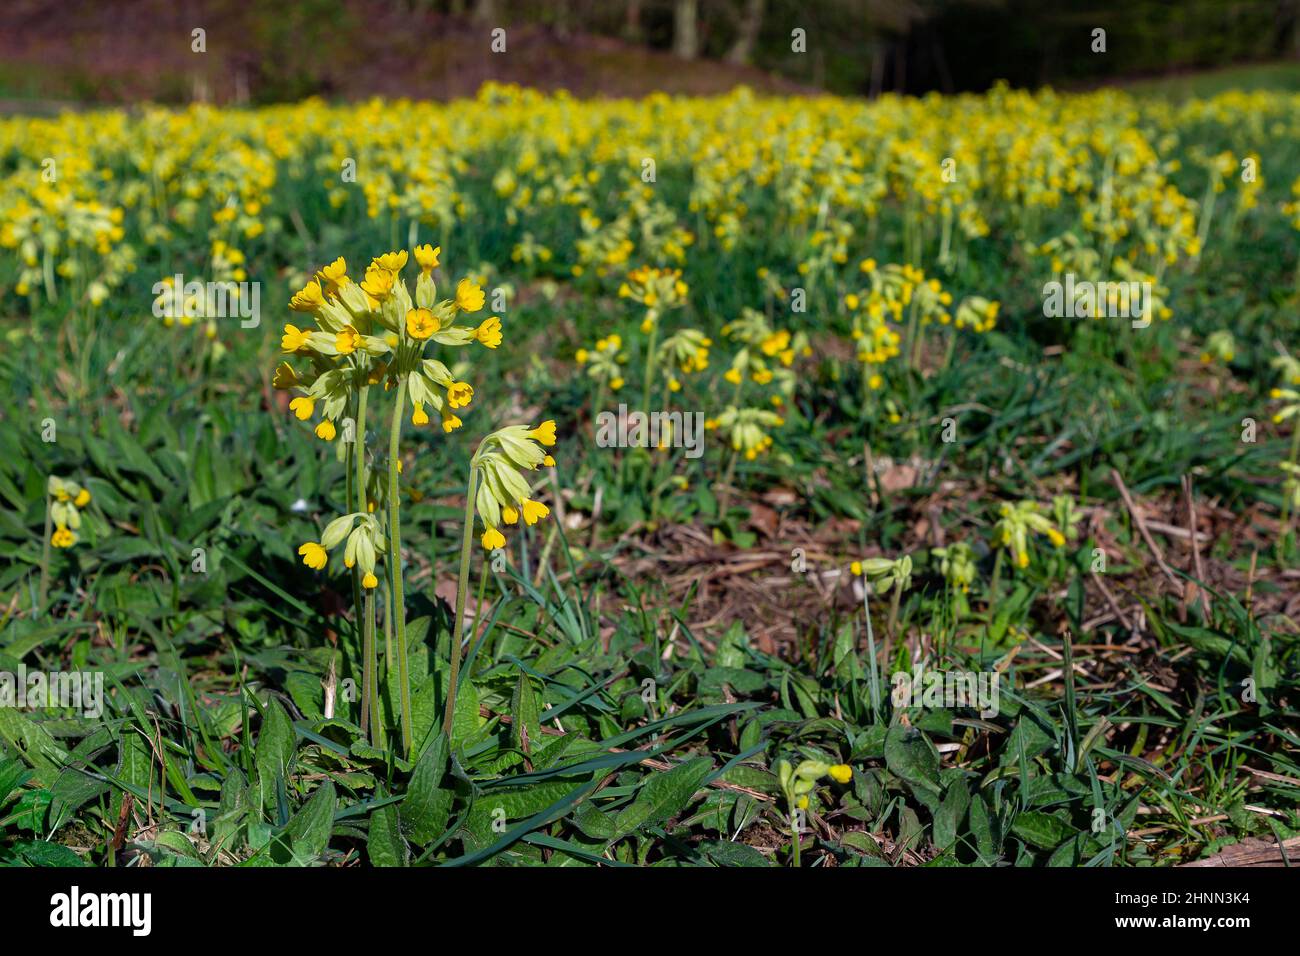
{"x": 260, "y": 52}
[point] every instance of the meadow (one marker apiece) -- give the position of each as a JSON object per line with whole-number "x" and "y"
{"x": 301, "y": 460}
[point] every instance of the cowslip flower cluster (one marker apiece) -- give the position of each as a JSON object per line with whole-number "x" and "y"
{"x": 504, "y": 494}
{"x": 657, "y": 289}
{"x": 68, "y": 498}
{"x": 604, "y": 360}
{"x": 365, "y": 540}
{"x": 797, "y": 782}
{"x": 1220, "y": 346}
{"x": 687, "y": 351}
{"x": 1289, "y": 368}
{"x": 746, "y": 429}
{"x": 765, "y": 355}
{"x": 375, "y": 331}
{"x": 1016, "y": 523}
{"x": 885, "y": 574}
{"x": 957, "y": 565}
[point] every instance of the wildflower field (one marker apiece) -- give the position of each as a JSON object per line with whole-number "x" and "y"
{"x": 959, "y": 529}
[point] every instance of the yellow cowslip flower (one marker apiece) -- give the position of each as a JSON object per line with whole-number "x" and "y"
{"x": 378, "y": 284}
{"x": 489, "y": 332}
{"x": 393, "y": 262}
{"x": 63, "y": 538}
{"x": 303, "y": 407}
{"x": 459, "y": 394}
{"x": 426, "y": 257}
{"x": 348, "y": 340}
{"x": 776, "y": 342}
{"x": 581, "y": 356}
{"x": 509, "y": 515}
{"x": 450, "y": 422}
{"x": 469, "y": 297}
{"x": 325, "y": 430}
{"x": 534, "y": 511}
{"x": 420, "y": 324}
{"x": 370, "y": 581}
{"x": 295, "y": 339}
{"x": 841, "y": 772}
{"x": 544, "y": 433}
{"x": 308, "y": 299}
{"x": 335, "y": 275}
{"x": 313, "y": 555}
{"x": 493, "y": 539}
{"x": 419, "y": 416}
{"x": 82, "y": 499}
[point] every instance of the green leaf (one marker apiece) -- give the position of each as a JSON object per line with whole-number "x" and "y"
{"x": 664, "y": 795}
{"x": 910, "y": 755}
{"x": 275, "y": 746}
{"x": 309, "y": 830}
{"x": 983, "y": 825}
{"x": 12, "y": 776}
{"x": 427, "y": 806}
{"x": 526, "y": 728}
{"x": 33, "y": 743}
{"x": 40, "y": 853}
{"x": 465, "y": 722}
{"x": 1042, "y": 830}
{"x": 950, "y": 814}
{"x": 384, "y": 844}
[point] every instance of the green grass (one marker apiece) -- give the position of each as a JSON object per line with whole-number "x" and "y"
{"x": 1180, "y": 87}
{"x": 604, "y": 716}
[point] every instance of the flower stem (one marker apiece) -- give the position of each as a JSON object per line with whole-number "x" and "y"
{"x": 995, "y": 586}
{"x": 395, "y": 560}
{"x": 462, "y": 586}
{"x": 1283, "y": 524}
{"x": 649, "y": 366}
{"x": 45, "y": 561}
{"x": 371, "y": 675}
{"x": 356, "y": 498}
{"x": 871, "y": 655}
{"x": 893, "y": 620}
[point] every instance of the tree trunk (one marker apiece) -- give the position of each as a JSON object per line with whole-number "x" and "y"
{"x": 632, "y": 24}
{"x": 686, "y": 38}
{"x": 750, "y": 25}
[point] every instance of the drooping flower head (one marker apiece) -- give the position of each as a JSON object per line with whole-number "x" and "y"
{"x": 504, "y": 495}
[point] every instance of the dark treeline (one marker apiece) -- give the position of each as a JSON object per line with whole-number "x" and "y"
{"x": 873, "y": 46}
